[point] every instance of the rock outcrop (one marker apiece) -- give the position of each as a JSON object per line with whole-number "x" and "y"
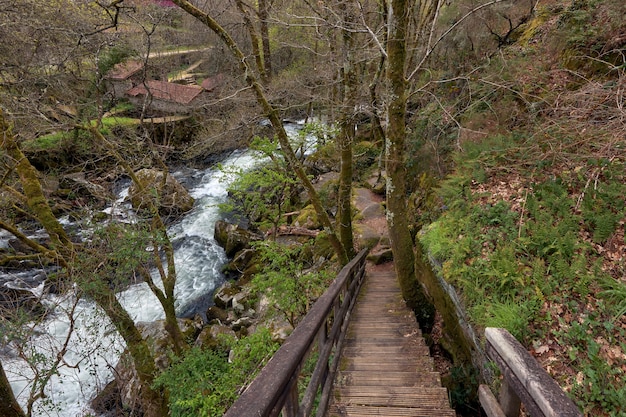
{"x": 232, "y": 237}
{"x": 168, "y": 195}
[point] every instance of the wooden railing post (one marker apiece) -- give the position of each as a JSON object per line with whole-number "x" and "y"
{"x": 290, "y": 402}
{"x": 509, "y": 401}
{"x": 321, "y": 343}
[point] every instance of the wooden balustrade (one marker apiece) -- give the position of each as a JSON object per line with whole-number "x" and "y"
{"x": 524, "y": 381}
{"x": 275, "y": 389}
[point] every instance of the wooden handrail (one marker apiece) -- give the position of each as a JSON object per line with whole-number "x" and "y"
{"x": 275, "y": 389}
{"x": 524, "y": 381}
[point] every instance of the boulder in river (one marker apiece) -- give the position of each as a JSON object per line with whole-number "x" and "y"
{"x": 223, "y": 296}
{"x": 241, "y": 261}
{"x": 232, "y": 237}
{"x": 169, "y": 196}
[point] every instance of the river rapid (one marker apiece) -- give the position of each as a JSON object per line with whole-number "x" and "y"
{"x": 94, "y": 346}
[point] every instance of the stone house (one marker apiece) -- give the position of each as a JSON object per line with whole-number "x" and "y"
{"x": 125, "y": 76}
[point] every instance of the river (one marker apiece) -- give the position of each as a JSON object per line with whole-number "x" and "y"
{"x": 94, "y": 347}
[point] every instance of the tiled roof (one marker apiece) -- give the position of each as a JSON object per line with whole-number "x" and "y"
{"x": 162, "y": 90}
{"x": 125, "y": 70}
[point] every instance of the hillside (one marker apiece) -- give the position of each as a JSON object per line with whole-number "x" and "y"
{"x": 529, "y": 223}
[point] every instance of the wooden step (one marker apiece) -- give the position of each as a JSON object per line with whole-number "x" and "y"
{"x": 386, "y": 350}
{"x": 422, "y": 397}
{"x": 368, "y": 411}
{"x": 392, "y": 379}
{"x": 392, "y": 364}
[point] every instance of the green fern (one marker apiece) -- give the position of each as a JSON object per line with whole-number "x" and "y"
{"x": 615, "y": 292}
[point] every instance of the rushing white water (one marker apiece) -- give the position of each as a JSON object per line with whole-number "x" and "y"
{"x": 94, "y": 346}
{"x": 198, "y": 258}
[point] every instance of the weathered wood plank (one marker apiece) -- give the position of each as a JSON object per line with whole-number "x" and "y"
{"x": 390, "y": 391}
{"x": 392, "y": 351}
{"x": 391, "y": 378}
{"x": 421, "y": 397}
{"x": 395, "y": 329}
{"x": 489, "y": 403}
{"x": 540, "y": 394}
{"x": 376, "y": 364}
{"x": 366, "y": 411}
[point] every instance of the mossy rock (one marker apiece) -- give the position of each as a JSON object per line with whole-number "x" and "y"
{"x": 366, "y": 237}
{"x": 308, "y": 218}
{"x": 160, "y": 341}
{"x": 232, "y": 237}
{"x": 210, "y": 335}
{"x": 323, "y": 247}
{"x": 169, "y": 196}
{"x": 377, "y": 185}
{"x": 240, "y": 262}
{"x": 215, "y": 314}
{"x": 248, "y": 274}
{"x": 224, "y": 295}
{"x": 381, "y": 256}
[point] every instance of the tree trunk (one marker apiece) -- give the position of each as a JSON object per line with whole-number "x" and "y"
{"x": 8, "y": 405}
{"x": 153, "y": 402}
{"x": 265, "y": 37}
{"x": 344, "y": 197}
{"x": 346, "y": 134}
{"x": 274, "y": 118}
{"x": 397, "y": 218}
{"x": 375, "y": 102}
{"x": 35, "y": 198}
{"x": 254, "y": 40}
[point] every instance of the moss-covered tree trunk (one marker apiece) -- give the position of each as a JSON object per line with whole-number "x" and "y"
{"x": 35, "y": 198}
{"x": 275, "y": 120}
{"x": 397, "y": 216}
{"x": 254, "y": 40}
{"x": 347, "y": 127}
{"x": 154, "y": 403}
{"x": 264, "y": 15}
{"x": 8, "y": 405}
{"x": 375, "y": 102}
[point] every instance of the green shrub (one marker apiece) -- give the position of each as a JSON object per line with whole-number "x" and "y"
{"x": 265, "y": 193}
{"x": 288, "y": 278}
{"x": 206, "y": 382}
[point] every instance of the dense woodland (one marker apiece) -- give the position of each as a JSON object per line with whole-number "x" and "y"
{"x": 495, "y": 130}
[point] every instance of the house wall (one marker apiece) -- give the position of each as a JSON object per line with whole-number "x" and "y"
{"x": 172, "y": 107}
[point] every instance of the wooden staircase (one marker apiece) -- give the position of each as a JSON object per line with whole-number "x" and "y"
{"x": 386, "y": 368}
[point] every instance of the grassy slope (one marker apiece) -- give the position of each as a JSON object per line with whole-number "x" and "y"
{"x": 532, "y": 230}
